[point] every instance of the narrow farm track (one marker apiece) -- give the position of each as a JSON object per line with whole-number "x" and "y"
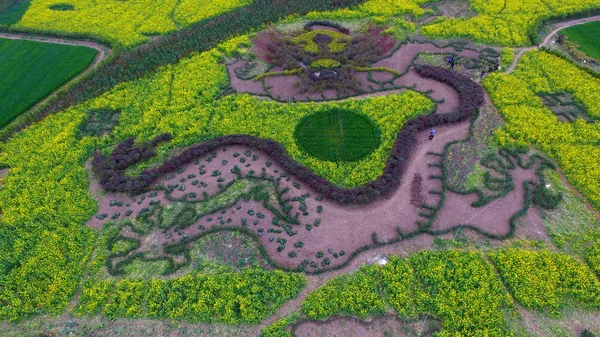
{"x": 548, "y": 38}
{"x": 103, "y": 53}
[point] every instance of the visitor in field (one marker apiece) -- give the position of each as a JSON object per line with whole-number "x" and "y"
{"x": 431, "y": 134}
{"x": 451, "y": 62}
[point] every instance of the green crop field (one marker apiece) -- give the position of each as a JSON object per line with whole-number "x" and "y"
{"x": 31, "y": 70}
{"x": 587, "y": 36}
{"x": 11, "y": 11}
{"x": 338, "y": 135}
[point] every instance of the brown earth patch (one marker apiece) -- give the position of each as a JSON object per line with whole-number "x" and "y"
{"x": 449, "y": 9}
{"x": 388, "y": 325}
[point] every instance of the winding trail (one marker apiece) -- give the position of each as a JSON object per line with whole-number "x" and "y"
{"x": 548, "y": 38}
{"x": 103, "y": 53}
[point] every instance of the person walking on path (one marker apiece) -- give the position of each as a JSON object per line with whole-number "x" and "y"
{"x": 431, "y": 134}
{"x": 451, "y": 62}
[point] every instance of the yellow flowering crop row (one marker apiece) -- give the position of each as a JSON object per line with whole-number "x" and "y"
{"x": 543, "y": 280}
{"x": 249, "y": 296}
{"x": 458, "y": 288}
{"x": 125, "y": 23}
{"x": 507, "y": 22}
{"x": 593, "y": 257}
{"x": 356, "y": 294}
{"x": 507, "y": 56}
{"x": 528, "y": 121}
{"x": 462, "y": 290}
{"x": 44, "y": 203}
{"x": 395, "y": 7}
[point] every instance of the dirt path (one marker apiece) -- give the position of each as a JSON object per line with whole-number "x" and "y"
{"x": 548, "y": 38}
{"x": 103, "y": 53}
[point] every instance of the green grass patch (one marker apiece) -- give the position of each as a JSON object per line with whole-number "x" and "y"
{"x": 337, "y": 135}
{"x": 587, "y": 36}
{"x": 62, "y": 7}
{"x": 32, "y": 70}
{"x": 11, "y": 11}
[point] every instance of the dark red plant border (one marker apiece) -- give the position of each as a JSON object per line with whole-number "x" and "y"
{"x": 112, "y": 175}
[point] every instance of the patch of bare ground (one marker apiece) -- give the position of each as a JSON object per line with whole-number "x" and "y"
{"x": 571, "y": 322}
{"x": 388, "y": 325}
{"x": 493, "y": 218}
{"x": 103, "y": 327}
{"x": 3, "y": 173}
{"x": 240, "y": 85}
{"x": 449, "y": 9}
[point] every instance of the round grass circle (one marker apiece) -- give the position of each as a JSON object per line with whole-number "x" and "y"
{"x": 337, "y": 135}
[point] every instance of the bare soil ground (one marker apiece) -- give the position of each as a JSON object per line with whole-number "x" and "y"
{"x": 450, "y": 9}
{"x": 388, "y": 325}
{"x": 572, "y": 322}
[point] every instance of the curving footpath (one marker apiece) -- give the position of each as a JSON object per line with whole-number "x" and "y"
{"x": 548, "y": 38}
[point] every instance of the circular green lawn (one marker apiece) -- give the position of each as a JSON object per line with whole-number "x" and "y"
{"x": 337, "y": 135}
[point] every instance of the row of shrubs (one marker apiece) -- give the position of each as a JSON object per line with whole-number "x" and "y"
{"x": 471, "y": 97}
